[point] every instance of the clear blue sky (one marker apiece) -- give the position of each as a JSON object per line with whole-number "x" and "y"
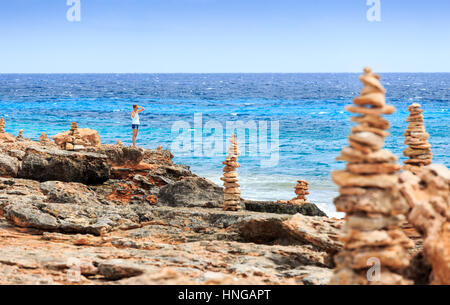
{"x": 224, "y": 36}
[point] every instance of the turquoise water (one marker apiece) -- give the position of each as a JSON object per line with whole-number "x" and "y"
{"x": 313, "y": 125}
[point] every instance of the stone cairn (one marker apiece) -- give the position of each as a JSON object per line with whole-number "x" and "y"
{"x": 2, "y": 125}
{"x": 301, "y": 190}
{"x": 74, "y": 141}
{"x": 419, "y": 150}
{"x": 43, "y": 139}
{"x": 20, "y": 135}
{"x": 232, "y": 194}
{"x": 375, "y": 209}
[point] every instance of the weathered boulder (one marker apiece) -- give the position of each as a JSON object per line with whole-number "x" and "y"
{"x": 428, "y": 195}
{"x": 46, "y": 165}
{"x": 122, "y": 155}
{"x": 262, "y": 229}
{"x": 191, "y": 192}
{"x": 158, "y": 156}
{"x": 9, "y": 166}
{"x": 321, "y": 232}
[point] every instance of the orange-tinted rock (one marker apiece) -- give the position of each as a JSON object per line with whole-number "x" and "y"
{"x": 428, "y": 194}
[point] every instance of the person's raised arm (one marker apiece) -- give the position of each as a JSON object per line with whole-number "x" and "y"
{"x": 142, "y": 109}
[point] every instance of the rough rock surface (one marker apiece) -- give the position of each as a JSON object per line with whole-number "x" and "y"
{"x": 191, "y": 192}
{"x": 44, "y": 164}
{"x": 428, "y": 195}
{"x": 122, "y": 231}
{"x": 309, "y": 209}
{"x": 9, "y": 166}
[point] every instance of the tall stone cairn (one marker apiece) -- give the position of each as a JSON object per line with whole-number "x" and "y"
{"x": 374, "y": 207}
{"x": 232, "y": 194}
{"x": 416, "y": 137}
{"x": 301, "y": 190}
{"x": 2, "y": 125}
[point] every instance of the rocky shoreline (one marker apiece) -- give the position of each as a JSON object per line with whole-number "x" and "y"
{"x": 110, "y": 214}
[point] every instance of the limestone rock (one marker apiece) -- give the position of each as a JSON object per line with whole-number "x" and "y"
{"x": 428, "y": 194}
{"x": 318, "y": 231}
{"x": 51, "y": 164}
{"x": 9, "y": 166}
{"x": 191, "y": 192}
{"x": 122, "y": 155}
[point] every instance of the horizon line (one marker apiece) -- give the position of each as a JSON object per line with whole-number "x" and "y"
{"x": 49, "y": 73}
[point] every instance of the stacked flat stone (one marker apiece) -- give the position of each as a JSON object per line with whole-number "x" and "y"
{"x": 301, "y": 190}
{"x": 232, "y": 194}
{"x": 416, "y": 137}
{"x": 43, "y": 139}
{"x": 74, "y": 142}
{"x": 2, "y": 125}
{"x": 374, "y": 208}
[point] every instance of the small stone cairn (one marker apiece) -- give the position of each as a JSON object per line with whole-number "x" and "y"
{"x": 232, "y": 194}
{"x": 20, "y": 135}
{"x": 43, "y": 139}
{"x": 419, "y": 150}
{"x": 301, "y": 190}
{"x": 74, "y": 142}
{"x": 375, "y": 209}
{"x": 2, "y": 125}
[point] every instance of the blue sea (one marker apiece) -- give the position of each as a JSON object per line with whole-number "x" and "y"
{"x": 309, "y": 109}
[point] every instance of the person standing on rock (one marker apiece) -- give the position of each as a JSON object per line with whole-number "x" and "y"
{"x": 135, "y": 121}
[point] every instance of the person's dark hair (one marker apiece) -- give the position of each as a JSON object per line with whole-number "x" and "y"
{"x": 134, "y": 106}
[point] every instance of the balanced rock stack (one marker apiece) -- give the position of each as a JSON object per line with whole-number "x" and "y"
{"x": 232, "y": 194}
{"x": 74, "y": 141}
{"x": 301, "y": 190}
{"x": 419, "y": 150}
{"x": 43, "y": 139}
{"x": 20, "y": 135}
{"x": 2, "y": 125}
{"x": 368, "y": 195}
